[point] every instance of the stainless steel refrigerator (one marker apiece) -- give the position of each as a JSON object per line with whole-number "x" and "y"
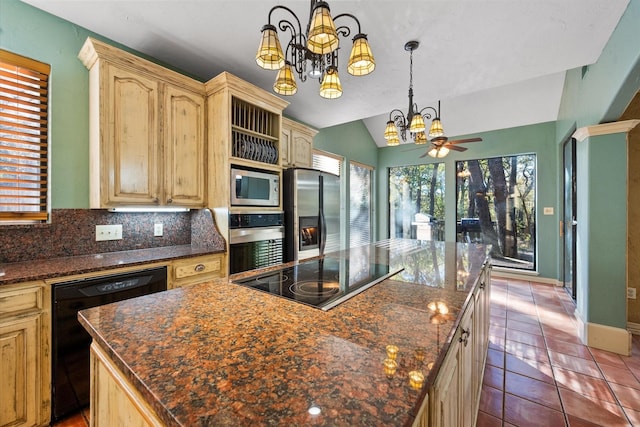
{"x": 312, "y": 213}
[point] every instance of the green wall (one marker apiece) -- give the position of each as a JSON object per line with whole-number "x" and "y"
{"x": 608, "y": 85}
{"x": 31, "y": 32}
{"x": 602, "y": 229}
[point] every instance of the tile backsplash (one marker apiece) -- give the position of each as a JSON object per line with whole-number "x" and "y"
{"x": 72, "y": 232}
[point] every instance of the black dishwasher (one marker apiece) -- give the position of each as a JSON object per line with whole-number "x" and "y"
{"x": 70, "y": 341}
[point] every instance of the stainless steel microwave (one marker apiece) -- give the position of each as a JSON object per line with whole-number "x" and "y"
{"x": 254, "y": 188}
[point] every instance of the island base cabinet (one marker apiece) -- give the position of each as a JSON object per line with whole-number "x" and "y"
{"x": 114, "y": 401}
{"x": 455, "y": 394}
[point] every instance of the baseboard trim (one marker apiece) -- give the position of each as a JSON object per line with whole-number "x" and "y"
{"x": 616, "y": 340}
{"x": 634, "y": 328}
{"x": 528, "y": 276}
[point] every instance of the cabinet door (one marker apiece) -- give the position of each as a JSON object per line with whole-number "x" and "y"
{"x": 452, "y": 405}
{"x": 301, "y": 149}
{"x": 184, "y": 148}
{"x": 467, "y": 339}
{"x": 481, "y": 329}
{"x": 445, "y": 411}
{"x": 285, "y": 143}
{"x": 129, "y": 124}
{"x": 19, "y": 375}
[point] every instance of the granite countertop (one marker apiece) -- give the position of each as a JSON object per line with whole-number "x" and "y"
{"x": 219, "y": 353}
{"x": 17, "y": 272}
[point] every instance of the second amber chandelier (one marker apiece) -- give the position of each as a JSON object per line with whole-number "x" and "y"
{"x": 314, "y": 53}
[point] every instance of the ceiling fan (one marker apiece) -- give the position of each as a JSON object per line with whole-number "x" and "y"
{"x": 441, "y": 145}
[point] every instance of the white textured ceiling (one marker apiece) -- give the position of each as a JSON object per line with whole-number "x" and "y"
{"x": 494, "y": 63}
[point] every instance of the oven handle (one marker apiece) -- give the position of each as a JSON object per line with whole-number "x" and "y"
{"x": 257, "y": 234}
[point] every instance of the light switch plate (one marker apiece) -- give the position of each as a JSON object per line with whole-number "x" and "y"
{"x": 108, "y": 232}
{"x": 157, "y": 230}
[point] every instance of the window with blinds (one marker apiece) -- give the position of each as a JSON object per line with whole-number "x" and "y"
{"x": 360, "y": 195}
{"x": 327, "y": 162}
{"x": 24, "y": 138}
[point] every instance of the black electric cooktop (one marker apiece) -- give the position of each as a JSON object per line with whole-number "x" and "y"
{"x": 321, "y": 283}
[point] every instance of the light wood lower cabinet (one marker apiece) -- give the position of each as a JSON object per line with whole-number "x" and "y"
{"x": 114, "y": 401}
{"x": 196, "y": 270}
{"x": 455, "y": 394}
{"x": 24, "y": 354}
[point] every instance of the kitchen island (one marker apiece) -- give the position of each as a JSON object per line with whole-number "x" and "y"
{"x": 218, "y": 353}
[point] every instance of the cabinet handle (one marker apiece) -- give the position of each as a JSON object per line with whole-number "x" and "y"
{"x": 465, "y": 336}
{"x": 169, "y": 200}
{"x": 482, "y": 285}
{"x": 199, "y": 268}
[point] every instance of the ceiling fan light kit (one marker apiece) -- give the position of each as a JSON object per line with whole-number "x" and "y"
{"x": 313, "y": 53}
{"x": 398, "y": 123}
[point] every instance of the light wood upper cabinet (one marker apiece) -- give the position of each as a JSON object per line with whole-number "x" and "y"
{"x": 297, "y": 144}
{"x": 147, "y": 132}
{"x": 24, "y": 354}
{"x": 243, "y": 129}
{"x": 184, "y": 147}
{"x": 127, "y": 163}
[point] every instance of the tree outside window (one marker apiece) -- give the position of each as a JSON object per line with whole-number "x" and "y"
{"x": 416, "y": 202}
{"x": 495, "y": 204}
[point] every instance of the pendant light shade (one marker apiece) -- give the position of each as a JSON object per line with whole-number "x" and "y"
{"x": 285, "y": 81}
{"x": 420, "y": 138}
{"x": 438, "y": 152}
{"x": 361, "y": 60}
{"x": 393, "y": 141}
{"x": 270, "y": 56}
{"x": 330, "y": 87}
{"x": 322, "y": 37}
{"x": 391, "y": 131}
{"x": 436, "y": 129}
{"x": 417, "y": 124}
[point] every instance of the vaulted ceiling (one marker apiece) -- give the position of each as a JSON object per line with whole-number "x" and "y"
{"x": 493, "y": 63}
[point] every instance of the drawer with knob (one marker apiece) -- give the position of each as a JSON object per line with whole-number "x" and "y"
{"x": 196, "y": 270}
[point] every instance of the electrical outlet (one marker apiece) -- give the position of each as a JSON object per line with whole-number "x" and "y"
{"x": 108, "y": 232}
{"x": 631, "y": 293}
{"x": 157, "y": 230}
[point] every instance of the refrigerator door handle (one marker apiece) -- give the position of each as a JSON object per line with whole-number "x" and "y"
{"x": 323, "y": 233}
{"x": 323, "y": 223}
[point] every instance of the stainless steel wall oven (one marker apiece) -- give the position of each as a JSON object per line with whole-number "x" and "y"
{"x": 255, "y": 240}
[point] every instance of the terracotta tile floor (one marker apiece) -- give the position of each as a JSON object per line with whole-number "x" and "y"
{"x": 539, "y": 374}
{"x": 81, "y": 419}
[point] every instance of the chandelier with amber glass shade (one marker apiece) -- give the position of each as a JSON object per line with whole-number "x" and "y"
{"x": 414, "y": 121}
{"x": 313, "y": 53}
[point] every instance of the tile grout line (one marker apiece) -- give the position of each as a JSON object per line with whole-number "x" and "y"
{"x": 553, "y": 374}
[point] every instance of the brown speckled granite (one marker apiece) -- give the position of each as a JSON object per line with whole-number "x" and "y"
{"x": 222, "y": 354}
{"x": 17, "y": 272}
{"x": 72, "y": 233}
{"x": 67, "y": 246}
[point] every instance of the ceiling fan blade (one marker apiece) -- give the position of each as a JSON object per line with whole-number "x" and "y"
{"x": 455, "y": 148}
{"x": 462, "y": 141}
{"x": 415, "y": 147}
